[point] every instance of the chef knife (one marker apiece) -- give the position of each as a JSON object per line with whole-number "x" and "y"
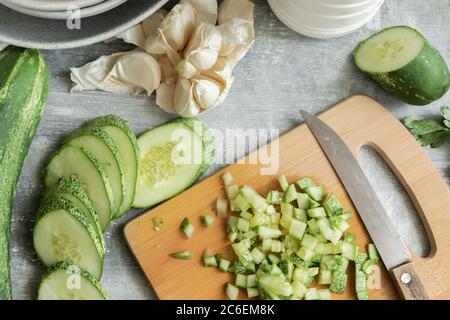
{"x": 392, "y": 249}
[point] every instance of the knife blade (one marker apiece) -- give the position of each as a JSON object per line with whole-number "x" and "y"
{"x": 388, "y": 241}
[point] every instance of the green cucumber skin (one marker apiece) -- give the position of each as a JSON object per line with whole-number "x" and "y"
{"x": 115, "y": 121}
{"x": 23, "y": 94}
{"x": 72, "y": 268}
{"x": 74, "y": 187}
{"x": 106, "y": 139}
{"x": 420, "y": 82}
{"x": 57, "y": 203}
{"x": 100, "y": 170}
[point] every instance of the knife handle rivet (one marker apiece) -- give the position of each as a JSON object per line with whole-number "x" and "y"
{"x": 405, "y": 278}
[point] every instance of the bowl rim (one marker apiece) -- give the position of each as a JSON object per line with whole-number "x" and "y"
{"x": 58, "y": 5}
{"x": 83, "y": 40}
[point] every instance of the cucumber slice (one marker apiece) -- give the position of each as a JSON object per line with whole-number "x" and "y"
{"x": 405, "y": 64}
{"x": 123, "y": 136}
{"x": 172, "y": 157}
{"x": 72, "y": 190}
{"x": 98, "y": 142}
{"x": 78, "y": 162}
{"x": 63, "y": 233}
{"x": 65, "y": 281}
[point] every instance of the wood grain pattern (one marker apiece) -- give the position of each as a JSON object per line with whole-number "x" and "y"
{"x": 359, "y": 121}
{"x": 408, "y": 282}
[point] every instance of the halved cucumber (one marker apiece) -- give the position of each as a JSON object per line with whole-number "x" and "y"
{"x": 125, "y": 139}
{"x": 172, "y": 157}
{"x": 65, "y": 281}
{"x": 63, "y": 233}
{"x": 405, "y": 64}
{"x": 74, "y": 161}
{"x": 100, "y": 144}
{"x": 72, "y": 190}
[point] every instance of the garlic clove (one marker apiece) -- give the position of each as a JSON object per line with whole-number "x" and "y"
{"x": 230, "y": 9}
{"x": 220, "y": 72}
{"x": 94, "y": 75}
{"x": 179, "y": 25}
{"x": 206, "y": 92}
{"x": 203, "y": 48}
{"x": 151, "y": 24}
{"x": 206, "y": 9}
{"x": 168, "y": 72}
{"x": 225, "y": 91}
{"x": 165, "y": 97}
{"x": 138, "y": 34}
{"x": 137, "y": 70}
{"x": 184, "y": 102}
{"x": 238, "y": 36}
{"x": 186, "y": 69}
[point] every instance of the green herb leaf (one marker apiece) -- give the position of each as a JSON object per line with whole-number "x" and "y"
{"x": 445, "y": 111}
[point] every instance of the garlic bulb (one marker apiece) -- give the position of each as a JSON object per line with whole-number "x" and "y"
{"x": 206, "y": 9}
{"x": 126, "y": 72}
{"x": 230, "y": 9}
{"x": 188, "y": 59}
{"x": 139, "y": 33}
{"x": 184, "y": 102}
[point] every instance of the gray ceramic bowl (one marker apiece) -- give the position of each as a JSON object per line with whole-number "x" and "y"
{"x": 31, "y": 32}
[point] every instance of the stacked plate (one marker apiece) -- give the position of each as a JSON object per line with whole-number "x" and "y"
{"x": 325, "y": 18}
{"x": 62, "y": 9}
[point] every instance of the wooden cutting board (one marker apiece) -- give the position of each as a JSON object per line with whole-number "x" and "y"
{"x": 359, "y": 121}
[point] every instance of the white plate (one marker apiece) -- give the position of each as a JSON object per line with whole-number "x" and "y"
{"x": 64, "y": 15}
{"x": 298, "y": 15}
{"x": 315, "y": 6}
{"x": 319, "y": 33}
{"x": 51, "y": 5}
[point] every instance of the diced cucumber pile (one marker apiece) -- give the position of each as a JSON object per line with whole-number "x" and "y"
{"x": 289, "y": 240}
{"x": 90, "y": 181}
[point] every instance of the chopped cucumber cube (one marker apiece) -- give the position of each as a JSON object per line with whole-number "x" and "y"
{"x": 222, "y": 208}
{"x": 209, "y": 261}
{"x": 251, "y": 281}
{"x": 273, "y": 258}
{"x": 325, "y": 276}
{"x": 242, "y": 225}
{"x": 246, "y": 215}
{"x": 268, "y": 233}
{"x": 290, "y": 194}
{"x": 277, "y": 246}
{"x": 349, "y": 251}
{"x": 227, "y": 178}
{"x": 311, "y": 294}
{"x": 313, "y": 203}
{"x": 297, "y": 228}
{"x": 232, "y": 236}
{"x": 252, "y": 292}
{"x": 305, "y": 183}
{"x": 256, "y": 201}
{"x": 303, "y": 201}
{"x": 182, "y": 255}
{"x": 372, "y": 251}
{"x": 338, "y": 282}
{"x": 206, "y": 220}
{"x": 299, "y": 289}
{"x": 224, "y": 265}
{"x": 349, "y": 237}
{"x": 241, "y": 281}
{"x": 309, "y": 242}
{"x": 346, "y": 216}
{"x": 332, "y": 205}
{"x": 187, "y": 227}
{"x": 316, "y": 192}
{"x": 286, "y": 208}
{"x": 318, "y": 212}
{"x": 300, "y": 215}
{"x": 313, "y": 228}
{"x": 258, "y": 255}
{"x": 232, "y": 292}
{"x": 242, "y": 252}
{"x": 305, "y": 253}
{"x": 266, "y": 245}
{"x": 232, "y": 191}
{"x": 324, "y": 294}
{"x": 273, "y": 285}
{"x": 241, "y": 203}
{"x": 284, "y": 184}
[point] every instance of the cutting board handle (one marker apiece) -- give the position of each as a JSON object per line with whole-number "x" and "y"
{"x": 426, "y": 188}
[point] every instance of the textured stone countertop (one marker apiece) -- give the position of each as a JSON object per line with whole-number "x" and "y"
{"x": 281, "y": 74}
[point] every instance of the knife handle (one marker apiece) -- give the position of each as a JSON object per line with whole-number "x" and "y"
{"x": 408, "y": 282}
